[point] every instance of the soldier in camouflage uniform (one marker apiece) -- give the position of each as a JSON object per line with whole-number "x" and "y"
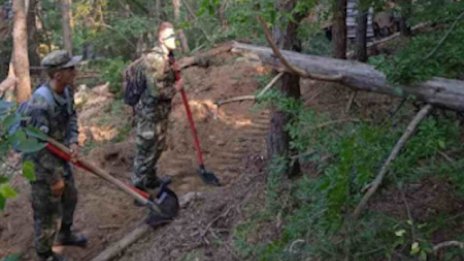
{"x": 152, "y": 110}
{"x": 53, "y": 193}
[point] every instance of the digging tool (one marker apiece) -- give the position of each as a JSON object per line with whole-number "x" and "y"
{"x": 208, "y": 177}
{"x": 162, "y": 208}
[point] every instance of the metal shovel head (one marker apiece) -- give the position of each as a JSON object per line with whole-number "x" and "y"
{"x": 208, "y": 177}
{"x": 168, "y": 203}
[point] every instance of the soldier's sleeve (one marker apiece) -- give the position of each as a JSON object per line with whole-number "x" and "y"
{"x": 47, "y": 166}
{"x": 38, "y": 113}
{"x": 154, "y": 70}
{"x": 73, "y": 127}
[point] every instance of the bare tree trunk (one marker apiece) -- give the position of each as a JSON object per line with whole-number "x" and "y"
{"x": 66, "y": 23}
{"x": 222, "y": 14}
{"x": 158, "y": 10}
{"x": 406, "y": 12}
{"x": 361, "y": 34}
{"x": 339, "y": 29}
{"x": 279, "y": 138}
{"x": 20, "y": 57}
{"x": 183, "y": 40}
{"x": 34, "y": 58}
{"x": 5, "y": 44}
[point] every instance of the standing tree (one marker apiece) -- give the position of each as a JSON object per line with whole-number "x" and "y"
{"x": 339, "y": 34}
{"x": 20, "y": 57}
{"x": 361, "y": 32}
{"x": 5, "y": 44}
{"x": 406, "y": 12}
{"x": 34, "y": 58}
{"x": 66, "y": 21}
{"x": 279, "y": 139}
{"x": 183, "y": 40}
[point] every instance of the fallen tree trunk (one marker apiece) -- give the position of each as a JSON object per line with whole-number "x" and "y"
{"x": 440, "y": 92}
{"x": 192, "y": 60}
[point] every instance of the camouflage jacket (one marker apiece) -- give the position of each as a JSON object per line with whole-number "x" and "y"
{"x": 155, "y": 68}
{"x": 58, "y": 120}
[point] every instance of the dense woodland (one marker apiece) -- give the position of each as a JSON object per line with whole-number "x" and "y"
{"x": 345, "y": 183}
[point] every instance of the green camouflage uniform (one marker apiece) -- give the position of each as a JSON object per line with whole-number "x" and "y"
{"x": 58, "y": 120}
{"x": 152, "y": 113}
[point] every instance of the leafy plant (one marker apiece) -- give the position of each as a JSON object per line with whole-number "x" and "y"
{"x": 433, "y": 53}
{"x": 317, "y": 207}
{"x": 23, "y": 140}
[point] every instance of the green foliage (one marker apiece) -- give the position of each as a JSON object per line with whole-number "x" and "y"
{"x": 434, "y": 53}
{"x": 13, "y": 257}
{"x": 348, "y": 156}
{"x": 23, "y": 139}
{"x": 113, "y": 73}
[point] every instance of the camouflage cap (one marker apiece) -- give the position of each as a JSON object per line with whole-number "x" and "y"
{"x": 60, "y": 59}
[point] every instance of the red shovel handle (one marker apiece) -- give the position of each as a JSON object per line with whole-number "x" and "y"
{"x": 62, "y": 152}
{"x": 196, "y": 140}
{"x": 192, "y": 127}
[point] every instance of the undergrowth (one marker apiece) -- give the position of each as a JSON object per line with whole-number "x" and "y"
{"x": 315, "y": 209}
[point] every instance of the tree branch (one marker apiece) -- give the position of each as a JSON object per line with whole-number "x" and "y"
{"x": 445, "y": 244}
{"x": 290, "y": 67}
{"x": 442, "y": 40}
{"x": 252, "y": 97}
{"x": 236, "y": 99}
{"x": 394, "y": 153}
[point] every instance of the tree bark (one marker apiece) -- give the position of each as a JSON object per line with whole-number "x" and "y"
{"x": 5, "y": 44}
{"x": 158, "y": 10}
{"x": 279, "y": 138}
{"x": 183, "y": 40}
{"x": 20, "y": 57}
{"x": 66, "y": 23}
{"x": 440, "y": 92}
{"x": 406, "y": 12}
{"x": 339, "y": 34}
{"x": 33, "y": 51}
{"x": 361, "y": 34}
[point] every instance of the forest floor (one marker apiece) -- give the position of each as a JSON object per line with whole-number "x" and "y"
{"x": 233, "y": 138}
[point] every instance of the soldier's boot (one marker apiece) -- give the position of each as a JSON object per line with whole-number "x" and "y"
{"x": 51, "y": 257}
{"x": 66, "y": 237}
{"x": 150, "y": 185}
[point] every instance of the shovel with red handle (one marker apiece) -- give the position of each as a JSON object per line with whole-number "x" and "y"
{"x": 208, "y": 177}
{"x": 163, "y": 206}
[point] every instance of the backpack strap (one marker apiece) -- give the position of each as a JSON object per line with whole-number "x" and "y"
{"x": 67, "y": 94}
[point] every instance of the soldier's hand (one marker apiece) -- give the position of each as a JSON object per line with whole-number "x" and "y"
{"x": 74, "y": 148}
{"x": 175, "y": 67}
{"x": 179, "y": 84}
{"x": 58, "y": 188}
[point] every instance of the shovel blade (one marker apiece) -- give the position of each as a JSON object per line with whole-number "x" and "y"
{"x": 168, "y": 202}
{"x": 208, "y": 177}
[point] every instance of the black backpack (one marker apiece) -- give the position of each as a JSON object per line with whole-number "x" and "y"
{"x": 134, "y": 84}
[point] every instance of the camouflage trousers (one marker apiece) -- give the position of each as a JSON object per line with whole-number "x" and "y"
{"x": 151, "y": 128}
{"x": 49, "y": 210}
